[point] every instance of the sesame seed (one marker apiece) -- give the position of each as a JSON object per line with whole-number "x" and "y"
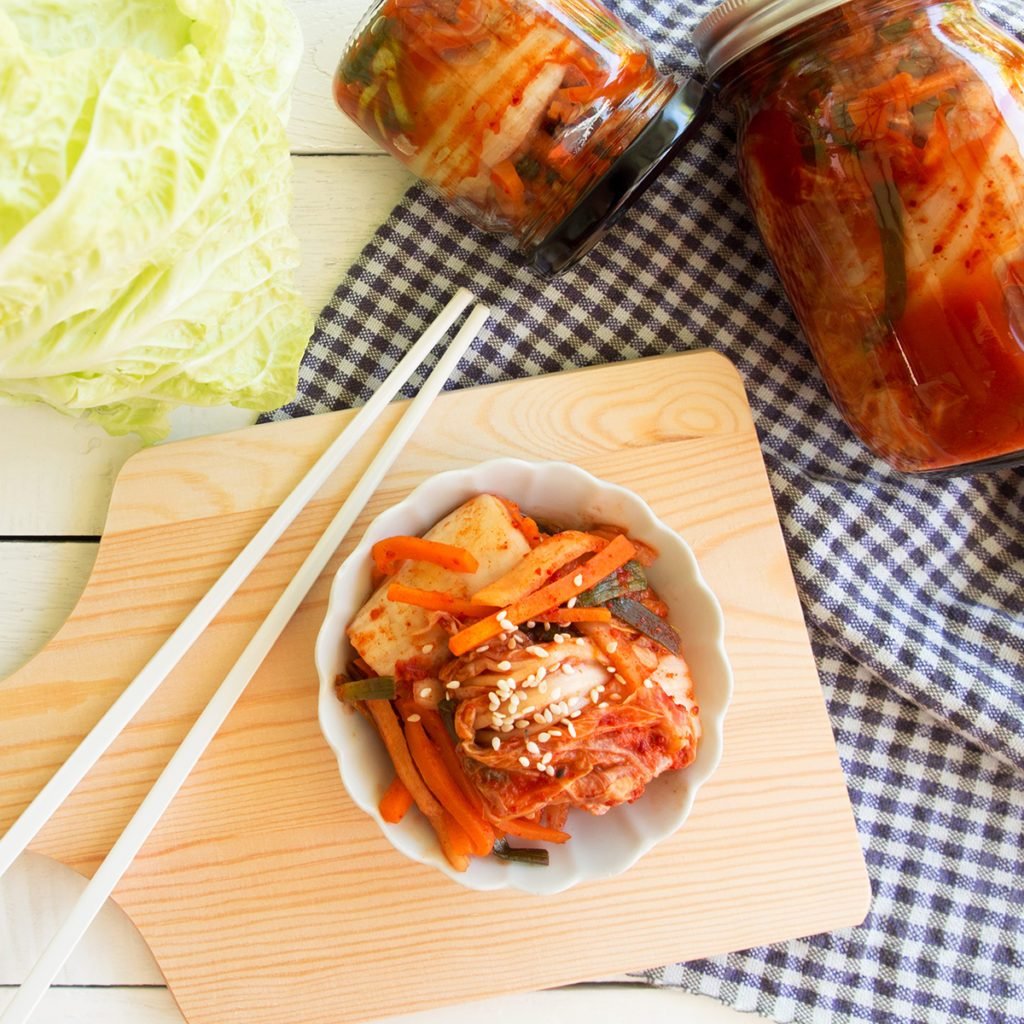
{"x": 511, "y": 645}
{"x": 528, "y": 711}
{"x": 540, "y": 767}
{"x": 493, "y": 700}
{"x": 543, "y": 687}
{"x": 571, "y": 603}
{"x": 426, "y": 691}
{"x": 599, "y": 687}
{"x": 594, "y": 695}
{"x": 522, "y": 724}
{"x": 567, "y": 668}
{"x": 556, "y": 693}
{"x": 531, "y": 624}
{"x": 603, "y": 704}
{"x": 413, "y": 718}
{"x": 537, "y": 651}
{"x": 532, "y": 747}
{"x": 649, "y": 683}
{"x": 496, "y": 743}
{"x": 427, "y": 648}
{"x": 550, "y": 771}
{"x": 524, "y": 761}
{"x": 577, "y": 580}
{"x": 544, "y": 737}
{"x": 507, "y": 727}
{"x": 546, "y": 759}
{"x": 453, "y": 685}
{"x": 577, "y": 713}
{"x": 539, "y": 719}
{"x": 508, "y": 627}
{"x": 504, "y": 666}
{"x": 541, "y": 673}
{"x": 548, "y": 716}
{"x": 556, "y": 732}
{"x": 480, "y": 650}
{"x": 613, "y": 646}
{"x": 616, "y": 696}
{"x": 580, "y": 642}
{"x": 572, "y": 730}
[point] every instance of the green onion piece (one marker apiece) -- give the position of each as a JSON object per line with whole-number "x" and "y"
{"x": 517, "y": 854}
{"x": 633, "y": 613}
{"x": 377, "y": 688}
{"x": 446, "y": 709}
{"x": 889, "y": 215}
{"x": 895, "y": 30}
{"x": 630, "y": 579}
{"x": 399, "y": 105}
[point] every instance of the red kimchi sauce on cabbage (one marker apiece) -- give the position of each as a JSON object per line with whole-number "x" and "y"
{"x": 881, "y": 152}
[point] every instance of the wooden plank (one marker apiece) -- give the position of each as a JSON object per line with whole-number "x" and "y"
{"x": 240, "y": 892}
{"x": 58, "y": 472}
{"x": 39, "y": 585}
{"x": 603, "y": 1004}
{"x": 316, "y": 124}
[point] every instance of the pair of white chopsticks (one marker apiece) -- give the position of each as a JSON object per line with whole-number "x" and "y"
{"x": 159, "y": 666}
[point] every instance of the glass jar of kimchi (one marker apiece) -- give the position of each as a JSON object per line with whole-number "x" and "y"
{"x": 881, "y": 149}
{"x": 539, "y": 119}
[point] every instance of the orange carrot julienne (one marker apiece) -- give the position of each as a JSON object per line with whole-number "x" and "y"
{"x": 523, "y": 523}
{"x": 618, "y": 551}
{"x": 505, "y": 178}
{"x": 395, "y": 802}
{"x": 394, "y": 740}
{"x": 389, "y": 552}
{"x": 445, "y": 788}
{"x": 563, "y": 616}
{"x": 437, "y": 601}
{"x": 532, "y": 830}
{"x": 437, "y": 731}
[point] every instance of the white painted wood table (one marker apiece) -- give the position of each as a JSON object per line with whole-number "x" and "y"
{"x": 55, "y": 480}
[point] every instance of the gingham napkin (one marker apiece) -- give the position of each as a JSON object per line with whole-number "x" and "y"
{"x": 913, "y": 589}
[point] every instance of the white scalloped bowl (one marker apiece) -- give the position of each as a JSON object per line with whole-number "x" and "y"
{"x": 567, "y": 495}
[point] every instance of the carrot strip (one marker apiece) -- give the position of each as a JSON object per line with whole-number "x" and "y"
{"x": 388, "y": 553}
{"x": 523, "y": 523}
{"x": 621, "y": 655}
{"x": 438, "y": 601}
{"x": 391, "y": 733}
{"x": 509, "y": 188}
{"x": 538, "y": 566}
{"x": 395, "y": 802}
{"x": 532, "y": 830}
{"x": 563, "y": 616}
{"x": 618, "y": 551}
{"x": 436, "y": 730}
{"x": 460, "y": 845}
{"x": 435, "y": 774}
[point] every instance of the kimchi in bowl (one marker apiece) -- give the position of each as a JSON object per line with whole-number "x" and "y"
{"x": 601, "y": 845}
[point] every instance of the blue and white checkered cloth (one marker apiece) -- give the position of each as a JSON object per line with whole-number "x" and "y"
{"x": 913, "y": 589}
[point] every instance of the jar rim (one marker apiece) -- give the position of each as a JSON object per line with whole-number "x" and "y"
{"x": 736, "y": 27}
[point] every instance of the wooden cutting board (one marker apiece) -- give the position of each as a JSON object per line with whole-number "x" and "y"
{"x": 264, "y": 894}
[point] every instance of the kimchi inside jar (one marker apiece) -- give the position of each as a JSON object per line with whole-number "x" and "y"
{"x": 880, "y": 147}
{"x": 512, "y": 109}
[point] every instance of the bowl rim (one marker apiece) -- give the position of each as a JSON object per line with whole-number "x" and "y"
{"x": 380, "y": 526}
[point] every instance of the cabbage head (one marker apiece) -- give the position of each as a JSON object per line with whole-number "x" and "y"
{"x": 146, "y": 259}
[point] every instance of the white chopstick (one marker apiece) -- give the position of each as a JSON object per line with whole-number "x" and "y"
{"x": 156, "y": 670}
{"x": 184, "y": 759}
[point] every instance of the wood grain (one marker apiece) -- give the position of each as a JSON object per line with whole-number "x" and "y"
{"x": 254, "y": 886}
